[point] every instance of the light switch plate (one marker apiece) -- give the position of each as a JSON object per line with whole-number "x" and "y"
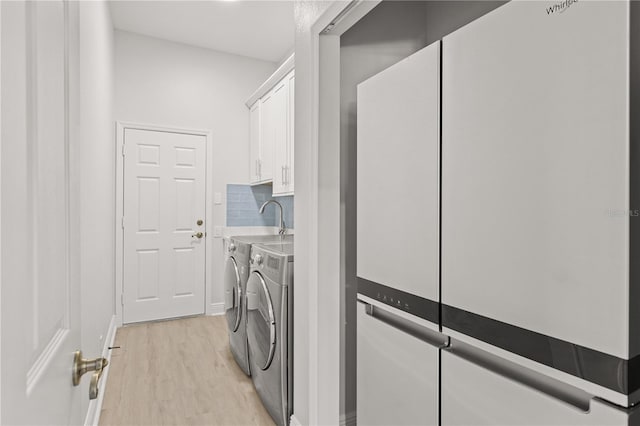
{"x": 217, "y": 198}
{"x": 217, "y": 231}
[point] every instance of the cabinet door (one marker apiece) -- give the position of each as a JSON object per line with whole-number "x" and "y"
{"x": 291, "y": 139}
{"x": 254, "y": 143}
{"x": 535, "y": 157}
{"x": 267, "y": 137}
{"x": 280, "y": 120}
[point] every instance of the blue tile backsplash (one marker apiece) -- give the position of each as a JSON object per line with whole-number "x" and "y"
{"x": 244, "y": 201}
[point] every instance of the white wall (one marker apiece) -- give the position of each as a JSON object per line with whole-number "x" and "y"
{"x": 171, "y": 84}
{"x": 98, "y": 178}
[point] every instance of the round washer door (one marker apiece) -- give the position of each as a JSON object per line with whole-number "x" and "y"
{"x": 232, "y": 294}
{"x": 261, "y": 322}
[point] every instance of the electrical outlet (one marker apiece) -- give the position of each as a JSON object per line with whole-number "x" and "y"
{"x": 217, "y": 198}
{"x": 217, "y": 231}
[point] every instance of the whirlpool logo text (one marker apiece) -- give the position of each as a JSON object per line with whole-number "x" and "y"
{"x": 560, "y": 7}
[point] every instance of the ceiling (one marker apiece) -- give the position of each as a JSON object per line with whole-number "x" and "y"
{"x": 258, "y": 29}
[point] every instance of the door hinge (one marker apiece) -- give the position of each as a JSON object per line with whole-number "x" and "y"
{"x": 123, "y": 145}
{"x": 122, "y": 222}
{"x": 122, "y": 299}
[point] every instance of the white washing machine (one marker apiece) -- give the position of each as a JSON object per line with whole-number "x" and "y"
{"x": 236, "y": 273}
{"x": 270, "y": 328}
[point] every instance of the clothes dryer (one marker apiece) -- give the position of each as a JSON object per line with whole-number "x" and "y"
{"x": 270, "y": 327}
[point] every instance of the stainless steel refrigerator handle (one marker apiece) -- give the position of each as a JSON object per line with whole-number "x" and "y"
{"x": 574, "y": 397}
{"x": 423, "y": 333}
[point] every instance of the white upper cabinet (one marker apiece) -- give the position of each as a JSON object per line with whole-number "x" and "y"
{"x": 291, "y": 127}
{"x": 271, "y": 114}
{"x": 266, "y": 137}
{"x": 283, "y": 122}
{"x": 254, "y": 143}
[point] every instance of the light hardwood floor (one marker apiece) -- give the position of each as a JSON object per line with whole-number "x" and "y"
{"x": 178, "y": 372}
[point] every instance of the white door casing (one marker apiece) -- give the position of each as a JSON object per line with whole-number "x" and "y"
{"x": 164, "y": 198}
{"x": 40, "y": 221}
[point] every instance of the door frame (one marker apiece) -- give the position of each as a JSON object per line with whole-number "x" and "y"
{"x": 325, "y": 275}
{"x": 121, "y": 126}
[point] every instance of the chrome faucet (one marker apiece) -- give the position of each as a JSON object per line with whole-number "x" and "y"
{"x": 282, "y": 230}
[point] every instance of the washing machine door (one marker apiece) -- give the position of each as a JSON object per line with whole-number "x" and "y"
{"x": 261, "y": 322}
{"x": 232, "y": 294}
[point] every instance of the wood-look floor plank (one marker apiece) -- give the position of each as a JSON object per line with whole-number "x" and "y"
{"x": 179, "y": 372}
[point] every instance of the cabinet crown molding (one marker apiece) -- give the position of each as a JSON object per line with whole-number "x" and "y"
{"x": 284, "y": 69}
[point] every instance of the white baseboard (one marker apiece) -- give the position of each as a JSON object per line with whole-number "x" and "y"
{"x": 216, "y": 309}
{"x": 348, "y": 419}
{"x": 95, "y": 406}
{"x": 294, "y": 421}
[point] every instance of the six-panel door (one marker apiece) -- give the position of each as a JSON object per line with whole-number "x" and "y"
{"x": 164, "y": 244}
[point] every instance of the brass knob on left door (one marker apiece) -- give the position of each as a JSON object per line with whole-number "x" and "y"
{"x": 197, "y": 235}
{"x": 81, "y": 366}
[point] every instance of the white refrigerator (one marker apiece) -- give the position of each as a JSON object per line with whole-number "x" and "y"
{"x": 397, "y": 271}
{"x": 539, "y": 187}
{"x": 507, "y": 156}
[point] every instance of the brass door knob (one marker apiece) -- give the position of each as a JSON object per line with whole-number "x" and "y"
{"x": 81, "y": 366}
{"x": 197, "y": 235}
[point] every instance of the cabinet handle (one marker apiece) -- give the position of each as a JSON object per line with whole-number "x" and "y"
{"x": 259, "y": 170}
{"x": 257, "y": 175}
{"x": 282, "y": 176}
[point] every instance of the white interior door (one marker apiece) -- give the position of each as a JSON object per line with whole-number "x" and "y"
{"x": 40, "y": 267}
{"x": 164, "y": 212}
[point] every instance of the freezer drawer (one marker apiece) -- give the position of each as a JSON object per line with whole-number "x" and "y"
{"x": 398, "y": 184}
{"x": 535, "y": 160}
{"x": 480, "y": 389}
{"x": 397, "y": 370}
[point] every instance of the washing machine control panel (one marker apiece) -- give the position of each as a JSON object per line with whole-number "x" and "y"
{"x": 269, "y": 262}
